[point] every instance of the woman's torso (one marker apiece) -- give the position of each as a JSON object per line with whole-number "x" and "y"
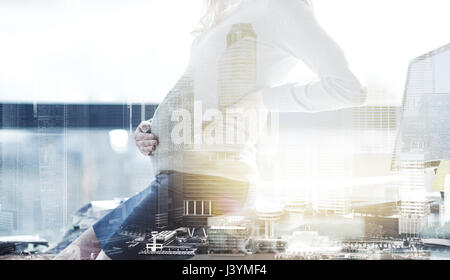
{"x": 233, "y": 59}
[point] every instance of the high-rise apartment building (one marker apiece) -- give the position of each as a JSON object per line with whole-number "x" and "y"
{"x": 237, "y": 66}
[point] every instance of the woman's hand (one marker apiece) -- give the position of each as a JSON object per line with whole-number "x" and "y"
{"x": 145, "y": 141}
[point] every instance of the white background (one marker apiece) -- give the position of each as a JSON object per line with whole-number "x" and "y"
{"x": 98, "y": 51}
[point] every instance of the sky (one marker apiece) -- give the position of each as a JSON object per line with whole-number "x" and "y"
{"x": 133, "y": 51}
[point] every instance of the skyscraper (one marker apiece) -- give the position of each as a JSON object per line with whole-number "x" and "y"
{"x": 51, "y": 122}
{"x": 375, "y": 128}
{"x": 237, "y": 66}
{"x": 446, "y": 207}
{"x": 206, "y": 196}
{"x": 424, "y": 133}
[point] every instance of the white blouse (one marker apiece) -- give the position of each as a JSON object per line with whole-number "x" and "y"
{"x": 251, "y": 50}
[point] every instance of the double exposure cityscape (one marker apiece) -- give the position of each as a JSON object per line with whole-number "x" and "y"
{"x": 366, "y": 182}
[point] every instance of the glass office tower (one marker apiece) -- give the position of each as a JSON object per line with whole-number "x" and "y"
{"x": 424, "y": 134}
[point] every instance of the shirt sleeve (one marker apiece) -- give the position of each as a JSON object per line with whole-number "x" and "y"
{"x": 295, "y": 30}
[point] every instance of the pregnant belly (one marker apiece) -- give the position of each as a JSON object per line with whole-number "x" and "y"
{"x": 168, "y": 154}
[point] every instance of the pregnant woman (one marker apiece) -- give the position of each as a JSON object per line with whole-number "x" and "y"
{"x": 201, "y": 138}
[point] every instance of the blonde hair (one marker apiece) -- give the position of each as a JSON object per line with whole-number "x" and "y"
{"x": 215, "y": 11}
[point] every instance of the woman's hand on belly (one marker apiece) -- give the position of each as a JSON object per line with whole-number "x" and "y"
{"x": 144, "y": 139}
